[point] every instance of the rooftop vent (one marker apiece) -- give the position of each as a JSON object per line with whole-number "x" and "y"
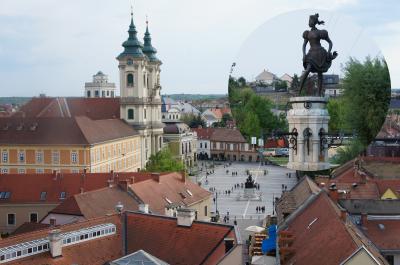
{"x": 381, "y": 226}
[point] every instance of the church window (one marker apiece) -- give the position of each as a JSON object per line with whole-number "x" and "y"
{"x": 96, "y": 94}
{"x": 88, "y": 93}
{"x": 129, "y": 80}
{"x": 130, "y": 114}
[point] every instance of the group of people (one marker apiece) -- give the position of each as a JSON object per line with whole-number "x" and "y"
{"x": 260, "y": 209}
{"x": 234, "y": 173}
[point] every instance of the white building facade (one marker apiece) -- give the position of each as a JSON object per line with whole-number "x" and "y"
{"x": 100, "y": 87}
{"x": 140, "y": 103}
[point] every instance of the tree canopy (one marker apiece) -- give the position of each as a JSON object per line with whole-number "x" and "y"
{"x": 252, "y": 112}
{"x": 163, "y": 161}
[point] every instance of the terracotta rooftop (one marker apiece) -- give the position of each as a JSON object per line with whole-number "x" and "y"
{"x": 160, "y": 236}
{"x": 220, "y": 135}
{"x": 94, "y": 108}
{"x": 53, "y": 184}
{"x": 64, "y": 131}
{"x": 29, "y": 227}
{"x": 321, "y": 236}
{"x": 383, "y": 233}
{"x": 173, "y": 187}
{"x": 291, "y": 200}
{"x": 96, "y": 203}
{"x": 201, "y": 243}
{"x": 93, "y": 252}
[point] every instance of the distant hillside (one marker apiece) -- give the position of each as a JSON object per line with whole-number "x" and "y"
{"x": 196, "y": 96}
{"x": 14, "y": 100}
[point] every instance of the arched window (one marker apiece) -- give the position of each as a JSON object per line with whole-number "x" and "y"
{"x": 88, "y": 93}
{"x": 129, "y": 80}
{"x": 131, "y": 114}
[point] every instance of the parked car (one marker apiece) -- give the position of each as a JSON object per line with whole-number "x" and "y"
{"x": 282, "y": 152}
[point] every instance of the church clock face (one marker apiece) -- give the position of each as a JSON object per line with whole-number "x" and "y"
{"x": 129, "y": 62}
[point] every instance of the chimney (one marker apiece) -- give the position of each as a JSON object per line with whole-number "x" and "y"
{"x": 183, "y": 176}
{"x": 343, "y": 215}
{"x": 363, "y": 177}
{"x": 229, "y": 242}
{"x": 53, "y": 221}
{"x": 144, "y": 208}
{"x": 333, "y": 194}
{"x": 55, "y": 242}
{"x": 185, "y": 217}
{"x": 124, "y": 184}
{"x": 156, "y": 176}
{"x": 364, "y": 218}
{"x": 110, "y": 183}
{"x": 82, "y": 190}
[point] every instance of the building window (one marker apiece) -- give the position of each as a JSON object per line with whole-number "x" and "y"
{"x": 40, "y": 170}
{"x": 75, "y": 170}
{"x": 4, "y": 157}
{"x": 39, "y": 157}
{"x": 129, "y": 80}
{"x": 63, "y": 195}
{"x": 201, "y": 145}
{"x": 11, "y": 219}
{"x": 4, "y": 171}
{"x": 56, "y": 157}
{"x": 43, "y": 195}
{"x": 144, "y": 80}
{"x": 112, "y": 94}
{"x": 205, "y": 145}
{"x": 88, "y": 93}
{"x": 144, "y": 114}
{"x": 21, "y": 170}
{"x": 160, "y": 142}
{"x": 131, "y": 114}
{"x": 96, "y": 94}
{"x": 74, "y": 157}
{"x": 108, "y": 93}
{"x": 205, "y": 210}
{"x": 221, "y": 146}
{"x": 33, "y": 217}
{"x": 21, "y": 157}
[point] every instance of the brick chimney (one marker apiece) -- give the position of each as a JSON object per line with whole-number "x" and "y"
{"x": 364, "y": 218}
{"x": 343, "y": 214}
{"x": 55, "y": 242}
{"x": 334, "y": 194}
{"x": 185, "y": 217}
{"x": 183, "y": 176}
{"x": 156, "y": 176}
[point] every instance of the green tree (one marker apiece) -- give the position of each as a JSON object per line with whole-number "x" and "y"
{"x": 349, "y": 152}
{"x": 193, "y": 121}
{"x": 336, "y": 112}
{"x": 366, "y": 97}
{"x": 280, "y": 85}
{"x": 295, "y": 83}
{"x": 163, "y": 161}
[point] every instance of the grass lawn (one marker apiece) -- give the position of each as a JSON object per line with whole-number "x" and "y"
{"x": 282, "y": 161}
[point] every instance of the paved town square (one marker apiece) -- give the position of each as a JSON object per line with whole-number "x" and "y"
{"x": 222, "y": 183}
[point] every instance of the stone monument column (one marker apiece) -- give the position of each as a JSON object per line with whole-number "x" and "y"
{"x": 308, "y": 116}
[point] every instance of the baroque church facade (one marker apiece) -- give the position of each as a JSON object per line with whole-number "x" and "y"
{"x": 140, "y": 100}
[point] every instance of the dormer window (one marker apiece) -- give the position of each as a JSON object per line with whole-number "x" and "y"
{"x": 63, "y": 195}
{"x": 129, "y": 80}
{"x": 43, "y": 196}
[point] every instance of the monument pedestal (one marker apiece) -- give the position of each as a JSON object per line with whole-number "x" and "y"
{"x": 309, "y": 118}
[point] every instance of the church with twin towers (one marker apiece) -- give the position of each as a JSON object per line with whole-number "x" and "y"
{"x": 140, "y": 97}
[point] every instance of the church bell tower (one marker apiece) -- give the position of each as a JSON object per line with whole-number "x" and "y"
{"x": 140, "y": 102}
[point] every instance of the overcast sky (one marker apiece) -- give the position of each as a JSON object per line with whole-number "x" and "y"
{"x": 53, "y": 47}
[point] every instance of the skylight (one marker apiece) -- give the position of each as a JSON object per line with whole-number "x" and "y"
{"x": 189, "y": 192}
{"x": 5, "y": 194}
{"x": 168, "y": 200}
{"x": 43, "y": 196}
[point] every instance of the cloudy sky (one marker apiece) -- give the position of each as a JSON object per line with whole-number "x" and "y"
{"x": 53, "y": 47}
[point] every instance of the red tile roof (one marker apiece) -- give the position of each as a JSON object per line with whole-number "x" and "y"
{"x": 321, "y": 236}
{"x": 94, "y": 108}
{"x": 29, "y": 227}
{"x": 220, "y": 134}
{"x": 171, "y": 186}
{"x": 96, "y": 203}
{"x": 204, "y": 133}
{"x": 160, "y": 236}
{"x": 53, "y": 185}
{"x": 383, "y": 233}
{"x": 65, "y": 131}
{"x": 93, "y": 252}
